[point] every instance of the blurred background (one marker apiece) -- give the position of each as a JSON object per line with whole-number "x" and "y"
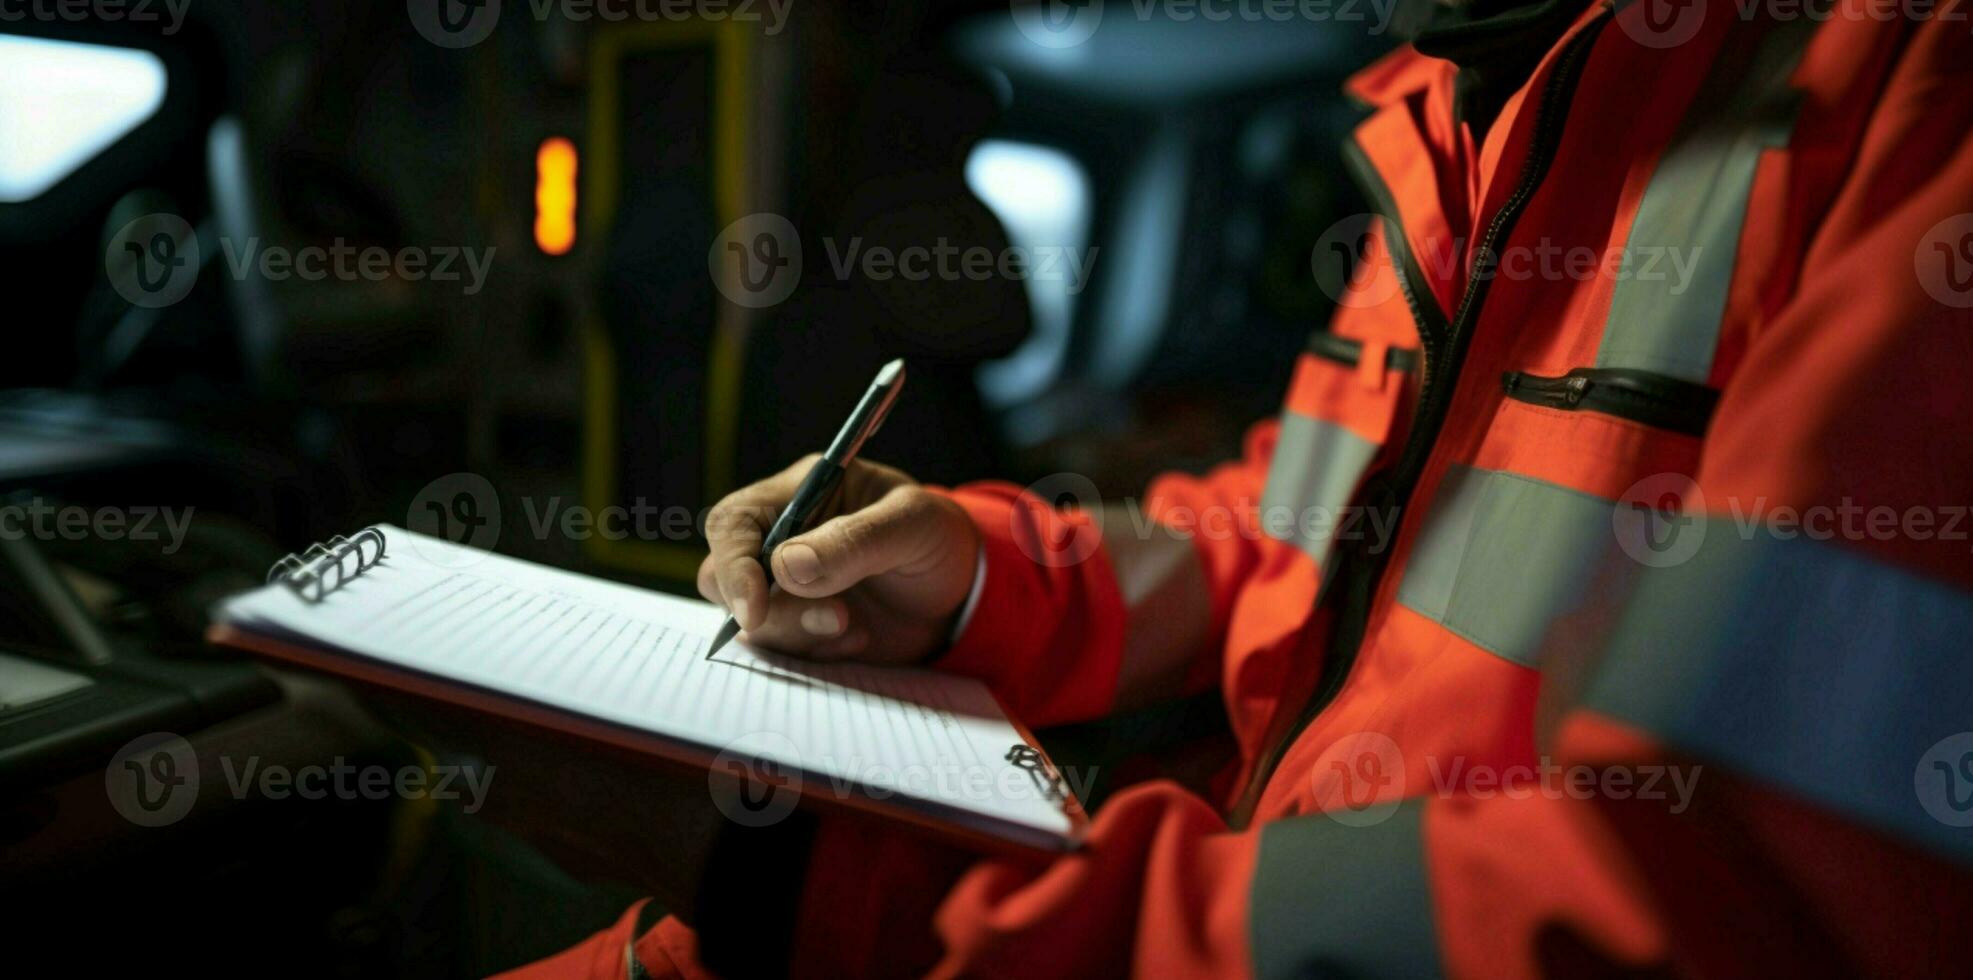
{"x": 282, "y": 270}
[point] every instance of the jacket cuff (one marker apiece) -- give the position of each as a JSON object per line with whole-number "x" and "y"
{"x": 1046, "y": 633}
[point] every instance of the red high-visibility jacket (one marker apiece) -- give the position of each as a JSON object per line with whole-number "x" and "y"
{"x": 1668, "y": 385}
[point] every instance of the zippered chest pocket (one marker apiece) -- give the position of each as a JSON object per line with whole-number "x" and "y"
{"x": 1644, "y": 397}
{"x": 1515, "y": 539}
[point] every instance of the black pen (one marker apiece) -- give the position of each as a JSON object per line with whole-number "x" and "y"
{"x": 821, "y": 481}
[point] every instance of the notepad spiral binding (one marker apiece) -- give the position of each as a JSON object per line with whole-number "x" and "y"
{"x": 326, "y": 567}
{"x": 1029, "y": 758}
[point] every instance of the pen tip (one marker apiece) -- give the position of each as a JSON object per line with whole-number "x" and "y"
{"x": 891, "y": 372}
{"x": 727, "y": 631}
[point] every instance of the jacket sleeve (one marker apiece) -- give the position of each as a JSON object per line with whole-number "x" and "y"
{"x": 1048, "y": 631}
{"x": 1756, "y": 758}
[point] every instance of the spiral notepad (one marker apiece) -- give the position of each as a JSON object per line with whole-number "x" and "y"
{"x": 324, "y": 567}
{"x": 626, "y": 666}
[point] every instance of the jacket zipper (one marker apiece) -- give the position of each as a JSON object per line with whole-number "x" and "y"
{"x": 1425, "y": 312}
{"x": 1640, "y": 396}
{"x": 1361, "y": 563}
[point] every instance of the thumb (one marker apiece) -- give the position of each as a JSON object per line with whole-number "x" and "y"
{"x": 899, "y": 530}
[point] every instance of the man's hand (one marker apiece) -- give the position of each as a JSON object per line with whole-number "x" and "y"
{"x": 880, "y": 577}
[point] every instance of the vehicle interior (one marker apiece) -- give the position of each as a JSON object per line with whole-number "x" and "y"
{"x": 556, "y": 334}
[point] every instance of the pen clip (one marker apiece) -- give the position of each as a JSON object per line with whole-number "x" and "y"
{"x": 869, "y": 415}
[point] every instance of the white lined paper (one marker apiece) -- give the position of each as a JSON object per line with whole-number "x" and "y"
{"x": 637, "y": 659}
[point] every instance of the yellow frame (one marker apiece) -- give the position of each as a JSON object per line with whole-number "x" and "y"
{"x": 732, "y": 47}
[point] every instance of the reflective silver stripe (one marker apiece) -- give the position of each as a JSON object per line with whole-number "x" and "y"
{"x": 1433, "y": 568}
{"x": 1501, "y": 556}
{"x": 1689, "y": 221}
{"x": 1824, "y": 672}
{"x": 1330, "y": 900}
{"x": 1806, "y": 666}
{"x": 1315, "y": 469}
